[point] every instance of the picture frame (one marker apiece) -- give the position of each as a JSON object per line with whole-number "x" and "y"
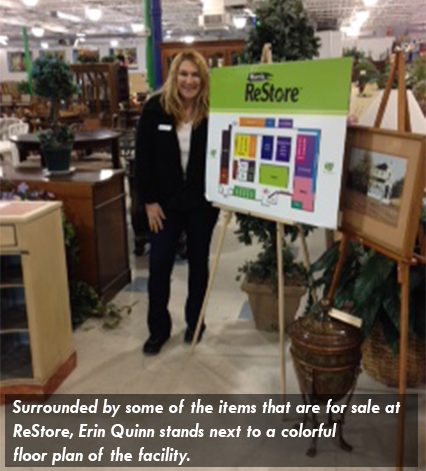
{"x": 382, "y": 187}
{"x": 130, "y": 54}
{"x": 16, "y": 61}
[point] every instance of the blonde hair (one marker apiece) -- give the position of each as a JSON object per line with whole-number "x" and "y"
{"x": 170, "y": 98}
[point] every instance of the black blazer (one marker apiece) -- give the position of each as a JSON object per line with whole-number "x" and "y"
{"x": 158, "y": 170}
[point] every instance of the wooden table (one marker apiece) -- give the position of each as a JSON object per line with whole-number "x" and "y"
{"x": 94, "y": 202}
{"x": 83, "y": 140}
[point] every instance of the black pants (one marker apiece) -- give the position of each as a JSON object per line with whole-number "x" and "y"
{"x": 198, "y": 225}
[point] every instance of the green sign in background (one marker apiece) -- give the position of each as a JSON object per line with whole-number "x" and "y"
{"x": 324, "y": 87}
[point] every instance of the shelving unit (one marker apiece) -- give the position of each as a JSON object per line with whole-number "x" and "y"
{"x": 216, "y": 53}
{"x": 102, "y": 87}
{"x": 36, "y": 352}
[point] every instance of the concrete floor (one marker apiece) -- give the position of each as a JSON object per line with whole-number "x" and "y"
{"x": 232, "y": 358}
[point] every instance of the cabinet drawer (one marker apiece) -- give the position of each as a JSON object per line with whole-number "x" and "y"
{"x": 7, "y": 236}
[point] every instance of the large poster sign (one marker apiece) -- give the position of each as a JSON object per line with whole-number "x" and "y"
{"x": 276, "y": 139}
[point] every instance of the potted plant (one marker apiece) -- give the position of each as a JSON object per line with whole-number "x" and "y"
{"x": 261, "y": 275}
{"x": 368, "y": 288}
{"x": 24, "y": 91}
{"x": 286, "y": 26}
{"x": 53, "y": 80}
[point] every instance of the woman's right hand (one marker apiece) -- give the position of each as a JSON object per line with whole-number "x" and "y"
{"x": 155, "y": 217}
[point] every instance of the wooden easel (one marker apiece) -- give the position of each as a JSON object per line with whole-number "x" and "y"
{"x": 266, "y": 58}
{"x": 398, "y": 67}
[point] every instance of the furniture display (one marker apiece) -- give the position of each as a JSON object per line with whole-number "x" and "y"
{"x": 36, "y": 352}
{"x": 216, "y": 53}
{"x": 89, "y": 140}
{"x": 94, "y": 202}
{"x": 102, "y": 87}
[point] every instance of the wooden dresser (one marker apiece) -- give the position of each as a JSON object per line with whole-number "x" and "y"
{"x": 94, "y": 202}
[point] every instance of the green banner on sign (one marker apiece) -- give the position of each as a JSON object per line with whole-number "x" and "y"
{"x": 304, "y": 87}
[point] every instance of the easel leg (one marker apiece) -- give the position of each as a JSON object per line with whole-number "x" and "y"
{"x": 281, "y": 319}
{"x": 228, "y": 216}
{"x": 403, "y": 278}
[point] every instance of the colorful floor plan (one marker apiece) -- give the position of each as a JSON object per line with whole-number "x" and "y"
{"x": 267, "y": 159}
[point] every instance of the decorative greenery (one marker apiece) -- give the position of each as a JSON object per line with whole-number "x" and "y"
{"x": 53, "y": 80}
{"x": 264, "y": 269}
{"x": 286, "y": 26}
{"x": 368, "y": 288}
{"x": 108, "y": 59}
{"x": 84, "y": 300}
{"x": 24, "y": 87}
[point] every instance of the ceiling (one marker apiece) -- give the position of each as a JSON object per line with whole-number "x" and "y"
{"x": 181, "y": 17}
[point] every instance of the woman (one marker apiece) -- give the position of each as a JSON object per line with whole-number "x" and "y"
{"x": 170, "y": 180}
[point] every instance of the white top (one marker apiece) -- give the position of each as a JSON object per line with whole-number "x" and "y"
{"x": 184, "y": 136}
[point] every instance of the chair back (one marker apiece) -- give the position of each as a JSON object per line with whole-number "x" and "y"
{"x": 18, "y": 128}
{"x": 5, "y": 123}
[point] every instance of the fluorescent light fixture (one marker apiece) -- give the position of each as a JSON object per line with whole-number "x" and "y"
{"x": 370, "y": 3}
{"x": 362, "y": 16}
{"x": 37, "y": 31}
{"x": 114, "y": 42}
{"x": 81, "y": 35}
{"x": 44, "y": 45}
{"x": 30, "y": 3}
{"x": 4, "y": 40}
{"x": 137, "y": 27}
{"x": 188, "y": 39}
{"x": 69, "y": 17}
{"x": 82, "y": 40}
{"x": 94, "y": 14}
{"x": 353, "y": 31}
{"x": 239, "y": 21}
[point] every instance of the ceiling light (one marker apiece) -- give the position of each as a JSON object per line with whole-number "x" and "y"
{"x": 188, "y": 39}
{"x": 239, "y": 21}
{"x": 362, "y": 16}
{"x": 82, "y": 40}
{"x": 37, "y": 31}
{"x": 353, "y": 31}
{"x": 67, "y": 16}
{"x": 94, "y": 14}
{"x": 114, "y": 42}
{"x": 370, "y": 3}
{"x": 30, "y": 3}
{"x": 81, "y": 35}
{"x": 137, "y": 27}
{"x": 4, "y": 40}
{"x": 44, "y": 45}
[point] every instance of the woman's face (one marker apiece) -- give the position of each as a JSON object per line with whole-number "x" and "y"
{"x": 188, "y": 80}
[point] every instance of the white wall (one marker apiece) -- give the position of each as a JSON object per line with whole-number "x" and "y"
{"x": 374, "y": 47}
{"x": 331, "y": 44}
{"x": 6, "y": 76}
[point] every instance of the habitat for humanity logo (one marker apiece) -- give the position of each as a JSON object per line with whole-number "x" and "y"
{"x": 268, "y": 92}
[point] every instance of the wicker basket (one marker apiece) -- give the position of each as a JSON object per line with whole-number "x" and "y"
{"x": 381, "y": 364}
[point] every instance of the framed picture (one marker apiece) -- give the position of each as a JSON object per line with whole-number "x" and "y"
{"x": 85, "y": 56}
{"x": 58, "y": 54}
{"x": 16, "y": 61}
{"x": 383, "y": 182}
{"x": 130, "y": 55}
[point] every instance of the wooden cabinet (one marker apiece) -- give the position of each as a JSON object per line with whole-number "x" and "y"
{"x": 94, "y": 202}
{"x": 216, "y": 53}
{"x": 36, "y": 352}
{"x": 102, "y": 87}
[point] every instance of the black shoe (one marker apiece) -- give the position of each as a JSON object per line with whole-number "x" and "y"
{"x": 189, "y": 334}
{"x": 154, "y": 344}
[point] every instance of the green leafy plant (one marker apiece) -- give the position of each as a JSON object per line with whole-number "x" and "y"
{"x": 24, "y": 87}
{"x": 84, "y": 300}
{"x": 53, "y": 80}
{"x": 107, "y": 59}
{"x": 286, "y": 26}
{"x": 368, "y": 288}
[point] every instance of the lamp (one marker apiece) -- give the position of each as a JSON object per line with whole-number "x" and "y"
{"x": 94, "y": 14}
{"x": 37, "y": 31}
